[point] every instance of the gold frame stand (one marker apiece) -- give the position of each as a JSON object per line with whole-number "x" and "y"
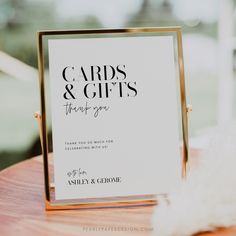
{"x": 50, "y": 202}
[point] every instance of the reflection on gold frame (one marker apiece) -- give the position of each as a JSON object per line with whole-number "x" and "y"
{"x": 50, "y": 202}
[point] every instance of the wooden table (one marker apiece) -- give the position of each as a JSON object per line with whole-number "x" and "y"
{"x": 22, "y": 210}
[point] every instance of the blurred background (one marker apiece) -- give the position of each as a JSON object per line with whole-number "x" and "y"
{"x": 209, "y": 42}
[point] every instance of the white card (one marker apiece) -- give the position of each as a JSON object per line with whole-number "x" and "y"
{"x": 114, "y": 116}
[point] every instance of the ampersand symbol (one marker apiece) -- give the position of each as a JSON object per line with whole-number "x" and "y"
{"x": 68, "y": 94}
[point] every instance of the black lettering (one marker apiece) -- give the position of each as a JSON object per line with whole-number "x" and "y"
{"x": 132, "y": 88}
{"x": 86, "y": 91}
{"x": 64, "y": 74}
{"x": 68, "y": 94}
{"x": 121, "y": 71}
{"x": 97, "y": 72}
{"x": 111, "y": 74}
{"x": 82, "y": 74}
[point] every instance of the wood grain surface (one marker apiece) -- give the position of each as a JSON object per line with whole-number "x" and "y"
{"x": 22, "y": 210}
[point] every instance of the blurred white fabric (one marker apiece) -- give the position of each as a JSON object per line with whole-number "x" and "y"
{"x": 207, "y": 199}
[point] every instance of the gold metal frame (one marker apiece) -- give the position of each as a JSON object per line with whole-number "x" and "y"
{"x": 51, "y": 204}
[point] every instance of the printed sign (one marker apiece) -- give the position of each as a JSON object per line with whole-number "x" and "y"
{"x": 114, "y": 116}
